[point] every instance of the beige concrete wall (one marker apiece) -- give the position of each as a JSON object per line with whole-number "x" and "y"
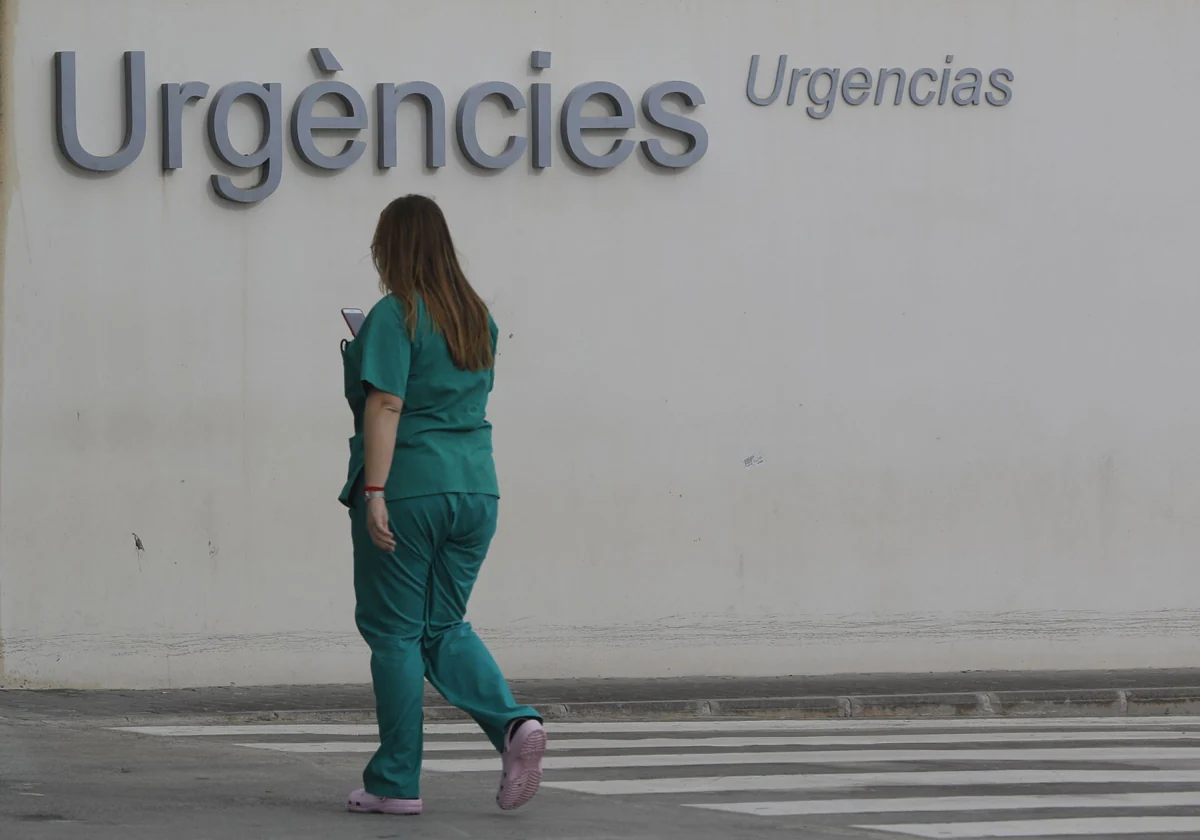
{"x": 961, "y": 341}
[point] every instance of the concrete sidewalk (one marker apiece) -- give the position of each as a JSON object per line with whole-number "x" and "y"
{"x": 846, "y": 696}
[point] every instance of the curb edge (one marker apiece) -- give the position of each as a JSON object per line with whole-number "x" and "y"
{"x": 1155, "y": 702}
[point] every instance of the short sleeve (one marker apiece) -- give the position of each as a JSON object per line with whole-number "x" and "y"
{"x": 386, "y": 349}
{"x": 494, "y": 332}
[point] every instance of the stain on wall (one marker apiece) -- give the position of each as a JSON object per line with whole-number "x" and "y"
{"x": 784, "y": 634}
{"x": 8, "y": 20}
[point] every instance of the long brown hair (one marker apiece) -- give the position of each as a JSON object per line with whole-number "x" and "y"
{"x": 414, "y": 255}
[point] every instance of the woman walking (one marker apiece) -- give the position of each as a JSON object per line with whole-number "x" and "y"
{"x": 423, "y": 495}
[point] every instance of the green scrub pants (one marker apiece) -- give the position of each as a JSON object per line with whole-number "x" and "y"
{"x": 410, "y": 609}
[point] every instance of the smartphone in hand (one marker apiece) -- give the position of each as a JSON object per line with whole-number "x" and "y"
{"x": 354, "y": 319}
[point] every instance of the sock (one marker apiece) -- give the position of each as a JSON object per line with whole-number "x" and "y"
{"x": 516, "y": 724}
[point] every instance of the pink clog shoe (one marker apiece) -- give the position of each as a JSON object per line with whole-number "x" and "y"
{"x": 522, "y": 758}
{"x": 361, "y": 802}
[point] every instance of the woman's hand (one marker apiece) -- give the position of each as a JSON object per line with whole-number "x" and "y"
{"x": 380, "y": 419}
{"x": 377, "y": 525}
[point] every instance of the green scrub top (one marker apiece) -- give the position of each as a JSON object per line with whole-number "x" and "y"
{"x": 443, "y": 439}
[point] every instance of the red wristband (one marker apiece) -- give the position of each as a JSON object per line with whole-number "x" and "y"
{"x": 373, "y": 489}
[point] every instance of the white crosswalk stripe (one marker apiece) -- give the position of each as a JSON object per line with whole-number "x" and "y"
{"x": 958, "y": 803}
{"x": 952, "y": 779}
{"x": 1075, "y": 827}
{"x": 1059, "y": 725}
{"x": 810, "y": 782}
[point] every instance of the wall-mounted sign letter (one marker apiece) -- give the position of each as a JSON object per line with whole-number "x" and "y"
{"x": 66, "y": 113}
{"x": 540, "y": 112}
{"x": 174, "y": 99}
{"x": 697, "y": 136}
{"x": 468, "y": 136}
{"x": 574, "y": 123}
{"x": 752, "y": 80}
{"x": 387, "y": 100}
{"x": 304, "y": 124}
{"x": 917, "y": 99}
{"x": 1005, "y": 91}
{"x": 269, "y": 154}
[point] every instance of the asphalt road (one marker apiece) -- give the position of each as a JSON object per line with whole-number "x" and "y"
{"x": 961, "y": 778}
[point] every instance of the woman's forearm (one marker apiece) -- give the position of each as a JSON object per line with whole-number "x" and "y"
{"x": 380, "y": 419}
